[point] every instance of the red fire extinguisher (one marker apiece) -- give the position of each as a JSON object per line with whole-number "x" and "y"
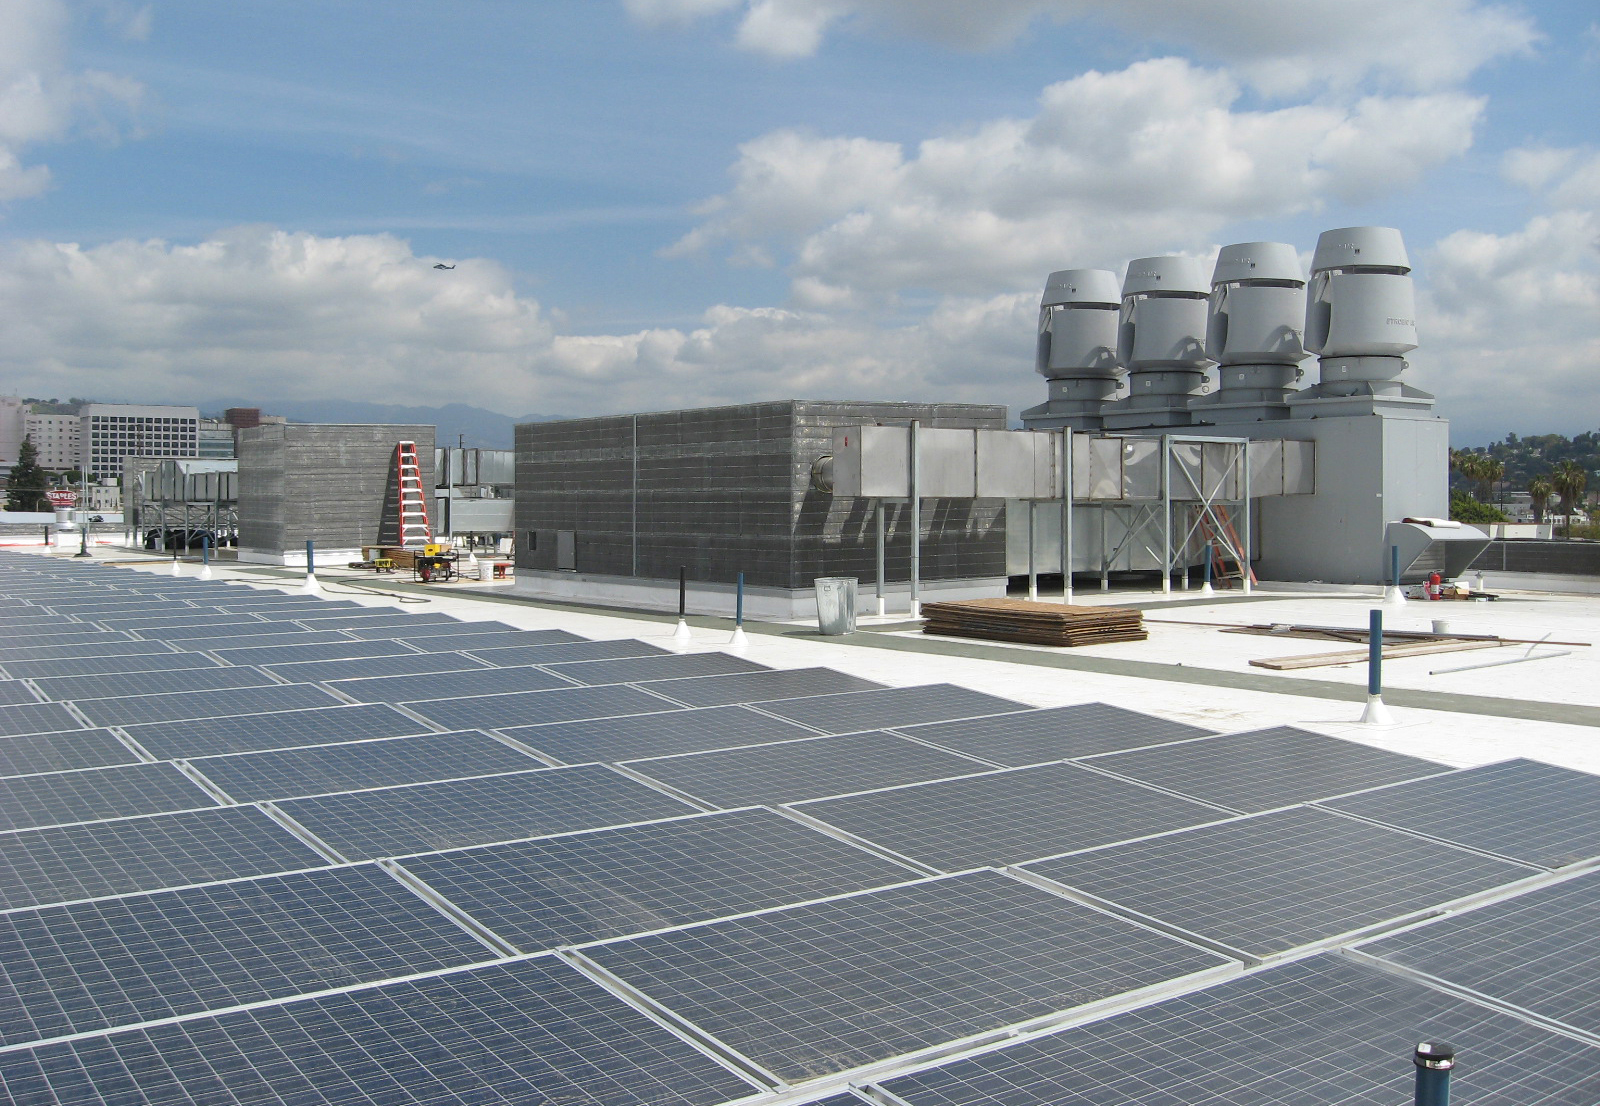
{"x": 1435, "y": 586}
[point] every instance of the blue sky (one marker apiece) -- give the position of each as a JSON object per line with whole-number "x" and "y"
{"x": 673, "y": 202}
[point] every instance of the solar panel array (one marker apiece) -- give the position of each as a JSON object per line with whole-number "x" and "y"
{"x": 263, "y": 847}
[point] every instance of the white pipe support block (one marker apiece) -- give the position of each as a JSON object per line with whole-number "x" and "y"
{"x": 1376, "y": 713}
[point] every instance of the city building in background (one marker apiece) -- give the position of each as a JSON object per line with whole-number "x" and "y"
{"x": 112, "y": 431}
{"x": 58, "y": 438}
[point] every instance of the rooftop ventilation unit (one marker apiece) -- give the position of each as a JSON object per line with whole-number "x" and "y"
{"x": 1361, "y": 319}
{"x": 1077, "y": 348}
{"x": 1161, "y": 341}
{"x": 1254, "y": 331}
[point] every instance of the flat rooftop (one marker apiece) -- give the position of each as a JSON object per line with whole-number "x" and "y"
{"x": 446, "y": 844}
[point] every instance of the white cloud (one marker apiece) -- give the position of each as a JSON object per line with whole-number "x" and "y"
{"x": 42, "y": 98}
{"x": 1146, "y": 159}
{"x": 1281, "y": 45}
{"x": 1509, "y": 320}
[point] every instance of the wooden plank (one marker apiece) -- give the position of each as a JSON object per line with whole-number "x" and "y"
{"x": 1356, "y": 656}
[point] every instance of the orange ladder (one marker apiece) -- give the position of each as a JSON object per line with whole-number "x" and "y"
{"x": 413, "y": 499}
{"x": 1221, "y": 556}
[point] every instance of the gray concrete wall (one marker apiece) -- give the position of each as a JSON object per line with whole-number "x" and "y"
{"x": 326, "y": 483}
{"x": 727, "y": 490}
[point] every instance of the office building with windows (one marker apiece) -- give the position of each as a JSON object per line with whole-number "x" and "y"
{"x": 112, "y": 431}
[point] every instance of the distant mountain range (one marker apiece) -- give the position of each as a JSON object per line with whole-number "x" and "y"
{"x": 481, "y": 428}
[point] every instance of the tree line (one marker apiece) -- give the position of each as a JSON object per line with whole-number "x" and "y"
{"x": 1543, "y": 465}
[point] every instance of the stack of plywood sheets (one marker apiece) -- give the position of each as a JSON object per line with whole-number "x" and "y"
{"x": 1033, "y": 623}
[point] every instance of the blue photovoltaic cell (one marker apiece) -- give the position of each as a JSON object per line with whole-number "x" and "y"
{"x": 889, "y": 707}
{"x": 646, "y": 735}
{"x": 12, "y": 692}
{"x": 1539, "y": 951}
{"x": 1319, "y": 1032}
{"x": 529, "y": 1032}
{"x": 165, "y": 661}
{"x": 92, "y": 645}
{"x": 756, "y": 687}
{"x": 1263, "y": 769}
{"x": 443, "y": 627}
{"x": 431, "y": 816}
{"x": 135, "y": 709}
{"x": 159, "y": 625}
{"x": 1056, "y": 733}
{"x": 460, "y": 639}
{"x": 24, "y": 718}
{"x": 328, "y": 647}
{"x": 1273, "y": 882}
{"x": 1521, "y": 809}
{"x": 637, "y": 669}
{"x": 804, "y": 769}
{"x": 284, "y": 729}
{"x": 249, "y": 643}
{"x": 810, "y": 990}
{"x": 1008, "y": 817}
{"x": 111, "y": 962}
{"x": 61, "y": 752}
{"x": 63, "y": 863}
{"x": 400, "y": 664}
{"x": 354, "y": 765}
{"x": 446, "y": 685}
{"x": 95, "y": 793}
{"x": 369, "y": 619}
{"x": 506, "y": 653}
{"x": 105, "y": 685}
{"x": 240, "y": 629}
{"x": 609, "y": 883}
{"x": 530, "y": 707}
{"x": 51, "y": 633}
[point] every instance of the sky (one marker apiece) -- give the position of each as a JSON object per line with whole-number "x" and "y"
{"x": 666, "y": 203}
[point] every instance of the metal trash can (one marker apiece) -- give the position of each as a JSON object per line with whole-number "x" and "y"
{"x": 836, "y": 604}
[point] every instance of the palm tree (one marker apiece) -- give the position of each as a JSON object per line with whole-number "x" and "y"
{"x": 1467, "y": 463}
{"x": 1488, "y": 475}
{"x": 1539, "y": 491}
{"x": 1569, "y": 480}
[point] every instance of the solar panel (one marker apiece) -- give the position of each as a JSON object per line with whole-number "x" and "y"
{"x": 1319, "y": 1032}
{"x": 12, "y": 692}
{"x": 673, "y": 731}
{"x": 530, "y": 707}
{"x": 46, "y": 633}
{"x": 1056, "y": 733}
{"x": 101, "y": 643}
{"x": 159, "y": 625}
{"x": 524, "y": 1032}
{"x": 23, "y": 718}
{"x": 1539, "y": 951}
{"x": 433, "y": 626}
{"x": 465, "y": 641}
{"x": 442, "y": 685}
{"x": 247, "y": 599}
{"x": 329, "y": 647}
{"x": 377, "y": 618}
{"x": 636, "y": 669}
{"x": 108, "y": 685}
{"x": 399, "y": 665}
{"x": 894, "y": 706}
{"x": 237, "y": 630}
{"x": 64, "y": 863}
{"x": 893, "y": 971}
{"x": 244, "y": 643}
{"x": 609, "y": 883}
{"x": 1007, "y": 817}
{"x": 1277, "y": 881}
{"x": 61, "y": 752}
{"x": 804, "y": 769}
{"x": 755, "y": 687}
{"x": 361, "y": 764}
{"x": 1520, "y": 809}
{"x": 104, "y": 645}
{"x": 112, "y": 962}
{"x": 284, "y": 729}
{"x": 84, "y": 666}
{"x": 428, "y": 816}
{"x": 1263, "y": 769}
{"x": 95, "y": 793}
{"x": 507, "y": 654}
{"x": 176, "y": 706}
